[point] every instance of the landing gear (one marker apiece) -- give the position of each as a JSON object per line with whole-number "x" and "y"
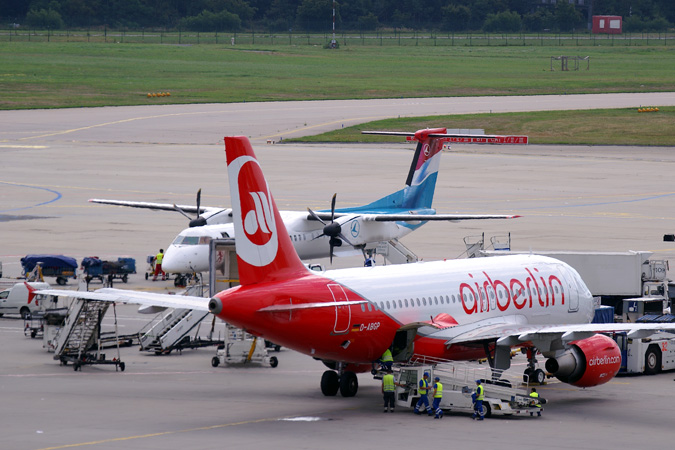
{"x": 532, "y": 374}
{"x": 346, "y": 382}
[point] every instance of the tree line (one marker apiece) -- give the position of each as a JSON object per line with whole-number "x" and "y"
{"x": 350, "y": 15}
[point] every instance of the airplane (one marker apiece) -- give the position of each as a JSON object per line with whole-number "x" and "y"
{"x": 318, "y": 234}
{"x": 451, "y": 310}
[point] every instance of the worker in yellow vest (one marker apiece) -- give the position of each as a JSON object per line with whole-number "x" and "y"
{"x": 423, "y": 390}
{"x": 479, "y": 395}
{"x": 386, "y": 360}
{"x": 389, "y": 390}
{"x": 537, "y": 404}
{"x": 158, "y": 265}
{"x": 438, "y": 395}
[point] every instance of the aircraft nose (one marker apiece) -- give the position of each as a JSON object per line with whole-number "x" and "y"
{"x": 173, "y": 263}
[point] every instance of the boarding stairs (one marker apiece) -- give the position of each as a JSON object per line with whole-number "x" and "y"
{"x": 394, "y": 252}
{"x": 171, "y": 330}
{"x": 79, "y": 341}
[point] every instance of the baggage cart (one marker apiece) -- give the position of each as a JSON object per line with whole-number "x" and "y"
{"x": 59, "y": 266}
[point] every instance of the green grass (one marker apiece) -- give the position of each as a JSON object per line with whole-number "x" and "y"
{"x": 592, "y": 127}
{"x": 56, "y": 75}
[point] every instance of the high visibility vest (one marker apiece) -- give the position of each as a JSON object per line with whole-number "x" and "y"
{"x": 388, "y": 383}
{"x": 439, "y": 390}
{"x": 479, "y": 392}
{"x": 535, "y": 395}
{"x": 159, "y": 258}
{"x": 424, "y": 386}
{"x": 386, "y": 356}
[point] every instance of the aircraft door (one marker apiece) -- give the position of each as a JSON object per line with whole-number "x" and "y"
{"x": 403, "y": 347}
{"x": 573, "y": 291}
{"x": 343, "y": 314}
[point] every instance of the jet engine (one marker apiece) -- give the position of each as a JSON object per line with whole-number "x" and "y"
{"x": 588, "y": 362}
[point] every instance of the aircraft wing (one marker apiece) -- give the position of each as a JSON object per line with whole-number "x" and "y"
{"x": 136, "y": 297}
{"x": 413, "y": 217}
{"x": 514, "y": 330}
{"x": 154, "y": 206}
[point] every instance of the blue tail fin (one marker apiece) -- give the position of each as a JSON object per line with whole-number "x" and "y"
{"x": 418, "y": 194}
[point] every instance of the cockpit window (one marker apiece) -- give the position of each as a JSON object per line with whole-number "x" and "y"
{"x": 188, "y": 240}
{"x": 204, "y": 240}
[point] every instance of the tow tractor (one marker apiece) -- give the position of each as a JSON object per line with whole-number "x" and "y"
{"x": 242, "y": 348}
{"x": 503, "y": 395}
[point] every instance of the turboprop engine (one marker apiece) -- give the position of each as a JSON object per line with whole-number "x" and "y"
{"x": 588, "y": 362}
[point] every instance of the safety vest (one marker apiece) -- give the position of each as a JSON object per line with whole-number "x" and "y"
{"x": 386, "y": 356}
{"x": 388, "y": 383}
{"x": 535, "y": 395}
{"x": 159, "y": 258}
{"x": 439, "y": 390}
{"x": 479, "y": 392}
{"x": 424, "y": 385}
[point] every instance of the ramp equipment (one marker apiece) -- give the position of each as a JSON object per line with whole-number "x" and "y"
{"x": 79, "y": 340}
{"x": 503, "y": 395}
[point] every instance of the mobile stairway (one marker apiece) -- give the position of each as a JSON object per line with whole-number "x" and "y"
{"x": 172, "y": 331}
{"x": 79, "y": 340}
{"x": 503, "y": 395}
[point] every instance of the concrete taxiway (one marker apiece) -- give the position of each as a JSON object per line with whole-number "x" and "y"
{"x": 571, "y": 198}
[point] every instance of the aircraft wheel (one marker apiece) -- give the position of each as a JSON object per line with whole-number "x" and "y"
{"x": 652, "y": 361}
{"x": 349, "y": 384}
{"x": 146, "y": 275}
{"x": 539, "y": 376}
{"x": 274, "y": 361}
{"x": 125, "y": 278}
{"x": 330, "y": 383}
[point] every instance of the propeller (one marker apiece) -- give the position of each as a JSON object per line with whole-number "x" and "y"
{"x": 333, "y": 229}
{"x": 197, "y": 221}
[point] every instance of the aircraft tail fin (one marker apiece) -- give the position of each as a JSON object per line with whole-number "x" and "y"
{"x": 264, "y": 249}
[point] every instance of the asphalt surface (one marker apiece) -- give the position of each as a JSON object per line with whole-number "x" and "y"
{"x": 570, "y": 198}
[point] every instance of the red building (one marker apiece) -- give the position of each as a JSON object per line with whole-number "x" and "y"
{"x": 607, "y": 24}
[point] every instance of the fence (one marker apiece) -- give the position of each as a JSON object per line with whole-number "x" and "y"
{"x": 388, "y": 38}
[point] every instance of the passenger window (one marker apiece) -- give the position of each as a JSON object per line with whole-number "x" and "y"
{"x": 406, "y": 302}
{"x": 363, "y": 307}
{"x": 400, "y": 304}
{"x": 388, "y": 305}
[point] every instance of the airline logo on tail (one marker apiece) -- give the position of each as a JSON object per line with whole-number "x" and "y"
{"x": 258, "y": 227}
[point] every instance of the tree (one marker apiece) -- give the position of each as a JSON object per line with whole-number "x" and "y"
{"x": 316, "y": 15}
{"x": 566, "y": 16}
{"x": 506, "y": 22}
{"x": 455, "y": 17}
{"x": 44, "y": 18}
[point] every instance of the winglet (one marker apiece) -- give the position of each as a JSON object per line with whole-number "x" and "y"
{"x": 31, "y": 293}
{"x": 264, "y": 249}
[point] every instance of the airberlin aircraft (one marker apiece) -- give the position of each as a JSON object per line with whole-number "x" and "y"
{"x": 457, "y": 310}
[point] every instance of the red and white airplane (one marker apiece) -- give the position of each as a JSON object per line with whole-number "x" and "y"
{"x": 458, "y": 309}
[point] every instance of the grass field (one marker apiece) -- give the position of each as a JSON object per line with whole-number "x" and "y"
{"x": 594, "y": 127}
{"x": 55, "y": 75}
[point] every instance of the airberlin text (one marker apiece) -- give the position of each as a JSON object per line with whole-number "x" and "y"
{"x": 604, "y": 360}
{"x": 483, "y": 294}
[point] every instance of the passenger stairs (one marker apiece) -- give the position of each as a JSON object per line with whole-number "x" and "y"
{"x": 79, "y": 340}
{"x": 172, "y": 331}
{"x": 504, "y": 395}
{"x": 394, "y": 252}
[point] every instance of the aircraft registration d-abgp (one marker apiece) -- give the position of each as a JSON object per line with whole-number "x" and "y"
{"x": 321, "y": 234}
{"x": 457, "y": 309}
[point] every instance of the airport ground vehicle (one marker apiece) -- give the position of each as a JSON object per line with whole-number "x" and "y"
{"x": 59, "y": 266}
{"x": 16, "y": 300}
{"x": 242, "y": 348}
{"x": 120, "y": 269}
{"x": 504, "y": 396}
{"x": 650, "y": 354}
{"x": 610, "y": 276}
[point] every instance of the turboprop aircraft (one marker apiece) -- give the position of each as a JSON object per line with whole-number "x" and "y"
{"x": 455, "y": 309}
{"x": 318, "y": 234}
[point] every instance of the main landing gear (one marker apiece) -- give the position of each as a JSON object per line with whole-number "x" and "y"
{"x": 344, "y": 381}
{"x": 532, "y": 374}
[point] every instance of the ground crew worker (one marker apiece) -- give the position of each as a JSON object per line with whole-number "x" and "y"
{"x": 438, "y": 395}
{"x": 534, "y": 394}
{"x": 386, "y": 360}
{"x": 158, "y": 265}
{"x": 389, "y": 390}
{"x": 423, "y": 390}
{"x": 480, "y": 394}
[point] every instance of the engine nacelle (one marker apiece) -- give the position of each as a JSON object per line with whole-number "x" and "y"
{"x": 588, "y": 362}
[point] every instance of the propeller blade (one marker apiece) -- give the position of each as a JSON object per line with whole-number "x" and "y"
{"x": 199, "y": 201}
{"x": 313, "y": 214}
{"x": 181, "y": 211}
{"x": 332, "y": 207}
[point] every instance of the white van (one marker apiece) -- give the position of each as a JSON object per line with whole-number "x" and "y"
{"x": 15, "y": 300}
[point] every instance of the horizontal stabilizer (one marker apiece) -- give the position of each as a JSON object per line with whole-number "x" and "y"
{"x": 457, "y": 138}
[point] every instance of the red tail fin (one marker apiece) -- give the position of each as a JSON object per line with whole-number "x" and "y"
{"x": 264, "y": 250}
